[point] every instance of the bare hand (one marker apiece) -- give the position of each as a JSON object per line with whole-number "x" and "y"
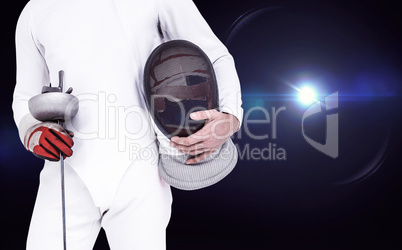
{"x": 217, "y": 129}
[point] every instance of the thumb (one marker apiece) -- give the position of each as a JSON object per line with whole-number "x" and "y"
{"x": 70, "y": 133}
{"x": 202, "y": 115}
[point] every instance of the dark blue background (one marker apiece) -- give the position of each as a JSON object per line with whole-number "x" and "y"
{"x": 350, "y": 47}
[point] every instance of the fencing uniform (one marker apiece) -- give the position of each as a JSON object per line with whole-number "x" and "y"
{"x": 112, "y": 178}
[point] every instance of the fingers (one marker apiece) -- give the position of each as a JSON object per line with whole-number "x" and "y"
{"x": 209, "y": 138}
{"x": 45, "y": 154}
{"x": 195, "y": 143}
{"x": 201, "y": 135}
{"x": 199, "y": 158}
{"x": 70, "y": 133}
{"x": 49, "y": 141}
{"x": 191, "y": 150}
{"x": 49, "y": 148}
{"x": 186, "y": 141}
{"x": 59, "y": 142}
{"x": 203, "y": 115}
{"x": 64, "y": 137}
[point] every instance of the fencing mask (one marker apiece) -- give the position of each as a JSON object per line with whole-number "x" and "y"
{"x": 179, "y": 79}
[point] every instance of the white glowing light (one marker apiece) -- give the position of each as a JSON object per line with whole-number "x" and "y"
{"x": 307, "y": 95}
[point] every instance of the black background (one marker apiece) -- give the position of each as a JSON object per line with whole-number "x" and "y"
{"x": 291, "y": 204}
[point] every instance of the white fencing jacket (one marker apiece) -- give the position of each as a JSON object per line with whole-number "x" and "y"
{"x": 102, "y": 46}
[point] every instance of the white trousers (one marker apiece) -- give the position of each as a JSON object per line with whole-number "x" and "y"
{"x": 136, "y": 220}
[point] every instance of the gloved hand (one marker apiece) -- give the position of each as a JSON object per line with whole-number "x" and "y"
{"x": 47, "y": 140}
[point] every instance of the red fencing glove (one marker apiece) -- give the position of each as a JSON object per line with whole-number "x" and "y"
{"x": 47, "y": 140}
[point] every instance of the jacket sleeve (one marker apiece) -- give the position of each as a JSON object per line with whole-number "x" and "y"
{"x": 32, "y": 72}
{"x": 180, "y": 19}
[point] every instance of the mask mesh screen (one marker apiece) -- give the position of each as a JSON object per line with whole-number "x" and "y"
{"x": 178, "y": 80}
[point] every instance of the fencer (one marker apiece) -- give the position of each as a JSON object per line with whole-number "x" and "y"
{"x": 103, "y": 46}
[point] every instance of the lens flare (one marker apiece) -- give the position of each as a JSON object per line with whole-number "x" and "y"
{"x": 307, "y": 95}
